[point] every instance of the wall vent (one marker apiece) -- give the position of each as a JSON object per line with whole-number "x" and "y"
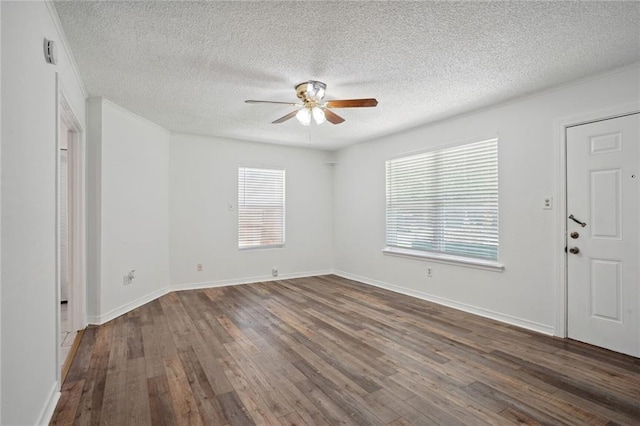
{"x": 50, "y": 52}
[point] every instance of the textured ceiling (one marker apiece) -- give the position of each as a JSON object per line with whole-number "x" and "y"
{"x": 188, "y": 66}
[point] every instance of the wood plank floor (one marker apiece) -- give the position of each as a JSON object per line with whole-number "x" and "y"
{"x": 326, "y": 350}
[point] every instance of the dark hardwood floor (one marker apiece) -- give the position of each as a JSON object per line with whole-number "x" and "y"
{"x": 326, "y": 350}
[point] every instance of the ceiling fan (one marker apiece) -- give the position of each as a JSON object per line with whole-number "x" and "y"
{"x": 311, "y": 93}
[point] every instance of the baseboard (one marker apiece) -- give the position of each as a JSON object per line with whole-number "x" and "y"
{"x": 115, "y": 313}
{"x": 248, "y": 280}
{"x": 50, "y": 407}
{"x": 508, "y": 319}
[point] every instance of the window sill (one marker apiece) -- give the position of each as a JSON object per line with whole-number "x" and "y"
{"x": 266, "y": 247}
{"x": 487, "y": 265}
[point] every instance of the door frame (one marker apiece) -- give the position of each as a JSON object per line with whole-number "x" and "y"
{"x": 77, "y": 270}
{"x": 562, "y": 300}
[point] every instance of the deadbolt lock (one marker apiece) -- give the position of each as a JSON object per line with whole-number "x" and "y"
{"x": 574, "y": 250}
{"x": 574, "y": 235}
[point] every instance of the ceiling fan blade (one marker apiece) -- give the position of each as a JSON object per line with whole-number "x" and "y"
{"x": 332, "y": 117}
{"x": 251, "y": 101}
{"x": 285, "y": 118}
{"x": 352, "y": 103}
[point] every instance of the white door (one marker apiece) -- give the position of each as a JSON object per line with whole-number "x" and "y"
{"x": 603, "y": 192}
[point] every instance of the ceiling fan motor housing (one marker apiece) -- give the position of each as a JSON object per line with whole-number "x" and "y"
{"x": 311, "y": 92}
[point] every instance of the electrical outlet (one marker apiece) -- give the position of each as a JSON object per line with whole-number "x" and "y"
{"x": 547, "y": 203}
{"x": 274, "y": 272}
{"x": 199, "y": 267}
{"x": 429, "y": 272}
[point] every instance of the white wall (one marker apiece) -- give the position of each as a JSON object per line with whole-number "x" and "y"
{"x": 94, "y": 199}
{"x": 0, "y": 214}
{"x": 204, "y": 181}
{"x": 29, "y": 368}
{"x": 529, "y": 167}
{"x": 130, "y": 159}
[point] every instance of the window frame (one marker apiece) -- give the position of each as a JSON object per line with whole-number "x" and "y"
{"x": 438, "y": 256}
{"x": 278, "y": 245}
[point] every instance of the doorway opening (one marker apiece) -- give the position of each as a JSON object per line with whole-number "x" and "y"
{"x": 71, "y": 280}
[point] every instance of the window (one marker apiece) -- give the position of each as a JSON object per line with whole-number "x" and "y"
{"x": 260, "y": 208}
{"x": 444, "y": 204}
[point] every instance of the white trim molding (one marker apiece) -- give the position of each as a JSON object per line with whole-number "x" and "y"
{"x": 121, "y": 310}
{"x": 77, "y": 209}
{"x": 49, "y": 408}
{"x": 507, "y": 319}
{"x": 249, "y": 280}
{"x": 468, "y": 262}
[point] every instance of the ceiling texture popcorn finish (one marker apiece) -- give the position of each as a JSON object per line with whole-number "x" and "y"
{"x": 189, "y": 66}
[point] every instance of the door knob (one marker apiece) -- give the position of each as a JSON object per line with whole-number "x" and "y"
{"x": 574, "y": 235}
{"x": 574, "y": 250}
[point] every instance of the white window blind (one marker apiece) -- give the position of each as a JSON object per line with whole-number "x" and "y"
{"x": 445, "y": 201}
{"x": 260, "y": 208}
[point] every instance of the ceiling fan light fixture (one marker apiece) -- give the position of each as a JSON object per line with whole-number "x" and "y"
{"x": 315, "y": 90}
{"x": 304, "y": 116}
{"x": 318, "y": 115}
